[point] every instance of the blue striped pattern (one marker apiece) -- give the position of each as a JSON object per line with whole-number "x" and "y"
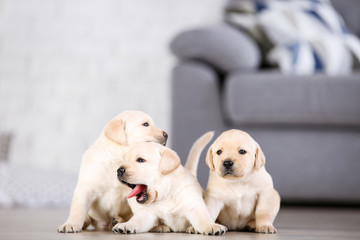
{"x": 260, "y": 6}
{"x": 294, "y": 49}
{"x": 307, "y": 36}
{"x": 319, "y": 66}
{"x": 317, "y": 16}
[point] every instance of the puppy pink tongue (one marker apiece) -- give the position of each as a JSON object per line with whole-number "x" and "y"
{"x": 138, "y": 189}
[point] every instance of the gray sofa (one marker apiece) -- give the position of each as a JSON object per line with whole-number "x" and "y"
{"x": 307, "y": 126}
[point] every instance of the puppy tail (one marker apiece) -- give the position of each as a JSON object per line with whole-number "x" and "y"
{"x": 195, "y": 152}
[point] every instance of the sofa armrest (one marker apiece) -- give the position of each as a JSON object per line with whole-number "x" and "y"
{"x": 222, "y": 46}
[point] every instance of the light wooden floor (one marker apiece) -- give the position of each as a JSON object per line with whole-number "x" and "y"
{"x": 292, "y": 224}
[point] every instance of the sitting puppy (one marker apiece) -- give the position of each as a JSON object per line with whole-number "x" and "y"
{"x": 166, "y": 193}
{"x": 240, "y": 193}
{"x": 98, "y": 196}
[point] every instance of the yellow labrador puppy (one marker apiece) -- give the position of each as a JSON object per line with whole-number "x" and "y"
{"x": 166, "y": 193}
{"x": 98, "y": 196}
{"x": 240, "y": 192}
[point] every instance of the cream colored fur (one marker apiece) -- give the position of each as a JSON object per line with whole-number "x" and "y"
{"x": 175, "y": 196}
{"x": 195, "y": 152}
{"x": 243, "y": 198}
{"x": 99, "y": 197}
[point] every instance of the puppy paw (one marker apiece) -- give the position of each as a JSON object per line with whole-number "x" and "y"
{"x": 124, "y": 228}
{"x": 116, "y": 220}
{"x": 161, "y": 228}
{"x": 251, "y": 226}
{"x": 69, "y": 228}
{"x": 265, "y": 229}
{"x": 191, "y": 230}
{"x": 215, "y": 229}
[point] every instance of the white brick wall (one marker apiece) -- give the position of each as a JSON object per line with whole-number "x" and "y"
{"x": 68, "y": 66}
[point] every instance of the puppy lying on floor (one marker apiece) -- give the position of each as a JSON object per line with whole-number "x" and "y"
{"x": 240, "y": 192}
{"x": 166, "y": 192}
{"x": 98, "y": 196}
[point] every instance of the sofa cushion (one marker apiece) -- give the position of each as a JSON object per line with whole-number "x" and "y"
{"x": 273, "y": 98}
{"x": 309, "y": 37}
{"x": 222, "y": 46}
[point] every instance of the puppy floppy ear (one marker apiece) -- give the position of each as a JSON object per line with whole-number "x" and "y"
{"x": 115, "y": 131}
{"x": 209, "y": 159}
{"x": 169, "y": 161}
{"x": 259, "y": 157}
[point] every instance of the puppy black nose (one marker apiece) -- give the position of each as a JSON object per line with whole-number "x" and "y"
{"x": 165, "y": 135}
{"x": 228, "y": 164}
{"x": 121, "y": 171}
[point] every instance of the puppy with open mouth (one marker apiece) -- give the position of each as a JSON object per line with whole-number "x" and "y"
{"x": 240, "y": 192}
{"x": 163, "y": 192}
{"x": 99, "y": 198}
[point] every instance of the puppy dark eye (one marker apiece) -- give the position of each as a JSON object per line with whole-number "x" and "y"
{"x": 218, "y": 152}
{"x": 140, "y": 160}
{"x": 242, "y": 151}
{"x": 146, "y": 124}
